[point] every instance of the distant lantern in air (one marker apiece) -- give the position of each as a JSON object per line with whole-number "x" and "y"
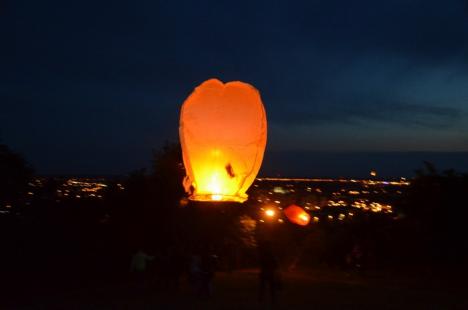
{"x": 297, "y": 215}
{"x": 223, "y": 131}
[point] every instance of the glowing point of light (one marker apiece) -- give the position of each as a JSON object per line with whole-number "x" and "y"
{"x": 216, "y": 197}
{"x": 270, "y": 213}
{"x": 304, "y": 217}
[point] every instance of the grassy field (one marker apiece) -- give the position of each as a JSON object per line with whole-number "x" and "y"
{"x": 311, "y": 289}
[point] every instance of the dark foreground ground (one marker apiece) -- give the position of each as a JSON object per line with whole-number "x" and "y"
{"x": 311, "y": 289}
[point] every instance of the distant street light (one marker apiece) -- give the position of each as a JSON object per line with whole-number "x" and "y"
{"x": 270, "y": 212}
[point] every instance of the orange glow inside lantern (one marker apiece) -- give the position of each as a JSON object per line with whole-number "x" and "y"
{"x": 223, "y": 136}
{"x": 297, "y": 215}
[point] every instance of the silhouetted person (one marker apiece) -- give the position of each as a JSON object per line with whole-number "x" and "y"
{"x": 195, "y": 273}
{"x": 140, "y": 261}
{"x": 269, "y": 280}
{"x": 354, "y": 259}
{"x": 208, "y": 267}
{"x": 139, "y": 266}
{"x": 177, "y": 267}
{"x": 172, "y": 266}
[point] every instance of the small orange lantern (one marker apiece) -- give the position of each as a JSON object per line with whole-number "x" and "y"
{"x": 223, "y": 132}
{"x": 297, "y": 215}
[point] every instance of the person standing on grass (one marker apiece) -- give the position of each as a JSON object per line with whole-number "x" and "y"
{"x": 138, "y": 267}
{"x": 269, "y": 277}
{"x": 208, "y": 267}
{"x": 140, "y": 261}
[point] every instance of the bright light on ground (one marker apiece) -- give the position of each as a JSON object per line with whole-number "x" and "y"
{"x": 270, "y": 212}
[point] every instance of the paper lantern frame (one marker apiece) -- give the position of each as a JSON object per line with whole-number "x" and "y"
{"x": 223, "y": 132}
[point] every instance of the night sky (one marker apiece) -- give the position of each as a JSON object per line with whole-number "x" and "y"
{"x": 92, "y": 87}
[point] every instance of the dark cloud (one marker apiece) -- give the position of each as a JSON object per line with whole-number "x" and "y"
{"x": 359, "y": 164}
{"x": 75, "y": 73}
{"x": 355, "y": 111}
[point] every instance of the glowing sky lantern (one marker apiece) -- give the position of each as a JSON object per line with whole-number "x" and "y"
{"x": 223, "y": 131}
{"x": 297, "y": 215}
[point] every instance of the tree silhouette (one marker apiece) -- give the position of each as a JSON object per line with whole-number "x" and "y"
{"x": 435, "y": 205}
{"x": 15, "y": 173}
{"x": 168, "y": 172}
{"x": 146, "y": 211}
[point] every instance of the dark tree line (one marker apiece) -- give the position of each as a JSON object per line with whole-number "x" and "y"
{"x": 436, "y": 207}
{"x": 86, "y": 241}
{"x": 15, "y": 173}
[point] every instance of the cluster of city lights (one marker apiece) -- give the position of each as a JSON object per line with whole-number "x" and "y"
{"x": 325, "y": 199}
{"x": 363, "y": 204}
{"x": 81, "y": 189}
{"x": 401, "y": 182}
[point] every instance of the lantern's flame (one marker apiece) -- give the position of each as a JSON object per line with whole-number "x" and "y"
{"x": 214, "y": 186}
{"x": 304, "y": 218}
{"x": 215, "y": 183}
